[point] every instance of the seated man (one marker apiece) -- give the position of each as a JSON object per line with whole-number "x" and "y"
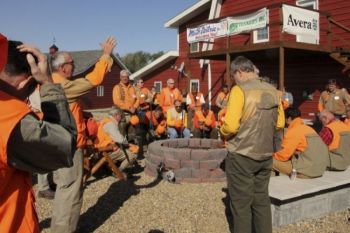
{"x": 205, "y": 123}
{"x": 336, "y": 135}
{"x": 177, "y": 121}
{"x": 301, "y": 149}
{"x": 155, "y": 124}
{"x": 108, "y": 133}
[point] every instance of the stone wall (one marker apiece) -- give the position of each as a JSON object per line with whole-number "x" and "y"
{"x": 192, "y": 160}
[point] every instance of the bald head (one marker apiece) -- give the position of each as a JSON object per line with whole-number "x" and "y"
{"x": 326, "y": 117}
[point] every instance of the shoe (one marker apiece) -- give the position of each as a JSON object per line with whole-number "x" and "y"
{"x": 48, "y": 194}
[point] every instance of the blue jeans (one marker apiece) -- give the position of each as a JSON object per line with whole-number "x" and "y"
{"x": 173, "y": 133}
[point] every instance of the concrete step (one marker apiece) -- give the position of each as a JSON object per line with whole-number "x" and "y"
{"x": 300, "y": 199}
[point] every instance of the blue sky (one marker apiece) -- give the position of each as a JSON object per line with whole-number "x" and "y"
{"x": 83, "y": 24}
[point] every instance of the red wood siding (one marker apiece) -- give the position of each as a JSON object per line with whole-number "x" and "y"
{"x": 92, "y": 101}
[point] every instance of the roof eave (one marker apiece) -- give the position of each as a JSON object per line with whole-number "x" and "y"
{"x": 188, "y": 14}
{"x": 155, "y": 64}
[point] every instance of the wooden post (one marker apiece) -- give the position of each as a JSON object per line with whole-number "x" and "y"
{"x": 281, "y": 68}
{"x": 228, "y": 69}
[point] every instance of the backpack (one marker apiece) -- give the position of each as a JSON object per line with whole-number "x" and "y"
{"x": 91, "y": 127}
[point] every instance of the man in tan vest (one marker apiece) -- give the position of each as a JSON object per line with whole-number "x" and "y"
{"x": 254, "y": 111}
{"x": 69, "y": 192}
{"x": 336, "y": 135}
{"x": 302, "y": 149}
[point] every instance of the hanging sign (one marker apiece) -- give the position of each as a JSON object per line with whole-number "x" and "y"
{"x": 248, "y": 22}
{"x": 301, "y": 22}
{"x": 207, "y": 31}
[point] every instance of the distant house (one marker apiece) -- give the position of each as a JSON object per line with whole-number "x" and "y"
{"x": 100, "y": 96}
{"x": 302, "y": 64}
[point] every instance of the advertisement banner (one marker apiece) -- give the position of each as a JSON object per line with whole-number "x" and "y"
{"x": 207, "y": 31}
{"x": 301, "y": 22}
{"x": 248, "y": 22}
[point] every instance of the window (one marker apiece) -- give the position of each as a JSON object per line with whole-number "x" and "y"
{"x": 262, "y": 34}
{"x": 194, "y": 47}
{"x": 100, "y": 91}
{"x": 308, "y": 4}
{"x": 194, "y": 83}
{"x": 158, "y": 86}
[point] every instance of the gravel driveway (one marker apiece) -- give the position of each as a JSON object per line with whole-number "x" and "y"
{"x": 147, "y": 205}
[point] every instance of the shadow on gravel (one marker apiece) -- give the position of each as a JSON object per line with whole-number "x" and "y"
{"x": 110, "y": 202}
{"x": 155, "y": 231}
{"x": 228, "y": 214}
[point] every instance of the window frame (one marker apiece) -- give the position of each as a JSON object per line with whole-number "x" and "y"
{"x": 100, "y": 91}
{"x": 156, "y": 84}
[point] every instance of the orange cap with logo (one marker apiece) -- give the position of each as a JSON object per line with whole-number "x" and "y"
{"x": 3, "y": 51}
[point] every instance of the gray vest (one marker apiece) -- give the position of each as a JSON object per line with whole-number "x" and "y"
{"x": 314, "y": 160}
{"x": 259, "y": 117}
{"x": 340, "y": 158}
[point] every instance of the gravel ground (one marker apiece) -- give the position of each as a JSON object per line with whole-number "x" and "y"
{"x": 146, "y": 205}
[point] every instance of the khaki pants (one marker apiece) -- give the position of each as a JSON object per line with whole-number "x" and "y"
{"x": 285, "y": 167}
{"x": 247, "y": 182}
{"x": 68, "y": 197}
{"x": 119, "y": 155}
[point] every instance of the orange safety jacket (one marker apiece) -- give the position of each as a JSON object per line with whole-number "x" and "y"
{"x": 196, "y": 103}
{"x": 124, "y": 96}
{"x": 210, "y": 118}
{"x": 221, "y": 116}
{"x": 336, "y": 127}
{"x": 157, "y": 124}
{"x": 294, "y": 140}
{"x": 223, "y": 98}
{"x": 77, "y": 112}
{"x": 347, "y": 121}
{"x": 168, "y": 97}
{"x": 17, "y": 212}
{"x": 103, "y": 139}
{"x": 143, "y": 96}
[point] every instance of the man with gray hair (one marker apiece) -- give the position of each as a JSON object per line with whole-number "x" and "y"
{"x": 168, "y": 95}
{"x": 254, "y": 111}
{"x": 69, "y": 192}
{"x": 108, "y": 134}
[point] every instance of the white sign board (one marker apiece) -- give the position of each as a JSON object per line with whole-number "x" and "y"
{"x": 301, "y": 22}
{"x": 207, "y": 31}
{"x": 248, "y": 22}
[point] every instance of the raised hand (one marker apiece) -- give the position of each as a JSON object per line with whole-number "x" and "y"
{"x": 38, "y": 69}
{"x": 108, "y": 45}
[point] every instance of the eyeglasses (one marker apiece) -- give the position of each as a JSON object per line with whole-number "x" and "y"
{"x": 177, "y": 106}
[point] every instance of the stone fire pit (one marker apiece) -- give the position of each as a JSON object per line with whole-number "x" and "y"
{"x": 192, "y": 160}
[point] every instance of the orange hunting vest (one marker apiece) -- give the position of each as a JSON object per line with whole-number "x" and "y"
{"x": 103, "y": 139}
{"x": 77, "y": 112}
{"x": 208, "y": 117}
{"x": 196, "y": 101}
{"x": 168, "y": 98}
{"x": 17, "y": 212}
{"x": 337, "y": 127}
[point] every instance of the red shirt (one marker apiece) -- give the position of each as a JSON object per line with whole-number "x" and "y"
{"x": 326, "y": 135}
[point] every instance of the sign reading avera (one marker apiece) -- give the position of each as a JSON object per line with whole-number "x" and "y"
{"x": 301, "y": 22}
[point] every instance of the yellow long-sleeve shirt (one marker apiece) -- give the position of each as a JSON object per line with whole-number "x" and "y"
{"x": 234, "y": 113}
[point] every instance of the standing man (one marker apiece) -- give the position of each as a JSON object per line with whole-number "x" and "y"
{"x": 69, "y": 191}
{"x": 124, "y": 97}
{"x": 194, "y": 101}
{"x": 334, "y": 100}
{"x": 168, "y": 95}
{"x": 222, "y": 99}
{"x": 28, "y": 144}
{"x": 144, "y": 96}
{"x": 254, "y": 111}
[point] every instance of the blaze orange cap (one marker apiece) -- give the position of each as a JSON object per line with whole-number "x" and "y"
{"x": 3, "y": 51}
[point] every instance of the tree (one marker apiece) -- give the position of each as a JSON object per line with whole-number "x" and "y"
{"x": 139, "y": 59}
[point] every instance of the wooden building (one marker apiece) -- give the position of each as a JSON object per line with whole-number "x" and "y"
{"x": 302, "y": 64}
{"x": 100, "y": 96}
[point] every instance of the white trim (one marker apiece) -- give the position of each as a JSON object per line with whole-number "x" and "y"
{"x": 188, "y": 14}
{"x": 194, "y": 81}
{"x": 306, "y": 3}
{"x": 155, "y": 64}
{"x": 160, "y": 85}
{"x": 255, "y": 36}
